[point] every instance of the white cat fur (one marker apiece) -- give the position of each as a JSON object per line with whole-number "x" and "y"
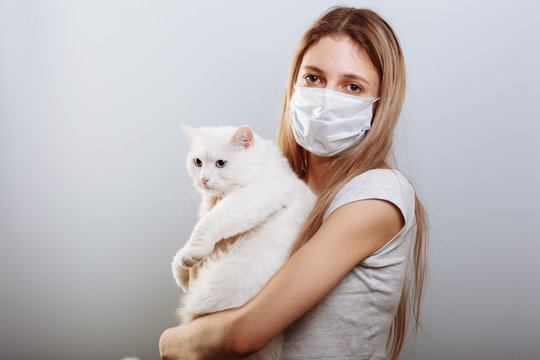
{"x": 257, "y": 202}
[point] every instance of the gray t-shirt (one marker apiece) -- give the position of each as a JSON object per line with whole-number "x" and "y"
{"x": 353, "y": 321}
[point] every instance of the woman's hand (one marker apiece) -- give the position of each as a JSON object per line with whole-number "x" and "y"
{"x": 173, "y": 344}
{"x": 208, "y": 337}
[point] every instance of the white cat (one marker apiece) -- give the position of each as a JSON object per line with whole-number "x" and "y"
{"x": 252, "y": 208}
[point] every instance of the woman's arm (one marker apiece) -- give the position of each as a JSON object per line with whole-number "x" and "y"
{"x": 350, "y": 234}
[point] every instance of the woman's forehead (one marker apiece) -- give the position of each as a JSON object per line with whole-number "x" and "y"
{"x": 339, "y": 54}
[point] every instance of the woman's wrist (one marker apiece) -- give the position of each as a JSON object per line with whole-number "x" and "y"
{"x": 232, "y": 339}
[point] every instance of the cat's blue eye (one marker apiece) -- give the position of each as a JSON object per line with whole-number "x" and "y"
{"x": 197, "y": 162}
{"x": 221, "y": 163}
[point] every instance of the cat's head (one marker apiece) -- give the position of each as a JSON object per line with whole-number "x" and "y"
{"x": 222, "y": 158}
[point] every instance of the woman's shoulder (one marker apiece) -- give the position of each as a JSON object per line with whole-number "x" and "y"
{"x": 385, "y": 184}
{"x": 378, "y": 181}
{"x": 380, "y": 176}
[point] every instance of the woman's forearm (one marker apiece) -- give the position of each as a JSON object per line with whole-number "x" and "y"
{"x": 208, "y": 337}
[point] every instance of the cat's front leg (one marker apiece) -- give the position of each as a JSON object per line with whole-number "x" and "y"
{"x": 196, "y": 250}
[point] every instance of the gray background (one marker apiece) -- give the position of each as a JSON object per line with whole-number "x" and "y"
{"x": 95, "y": 199}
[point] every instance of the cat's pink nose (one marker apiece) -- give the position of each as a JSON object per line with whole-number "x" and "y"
{"x": 204, "y": 180}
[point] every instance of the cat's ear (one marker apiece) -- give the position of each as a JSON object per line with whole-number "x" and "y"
{"x": 191, "y": 132}
{"x": 243, "y": 137}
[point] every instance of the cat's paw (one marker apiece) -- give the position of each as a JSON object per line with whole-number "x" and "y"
{"x": 181, "y": 275}
{"x": 192, "y": 254}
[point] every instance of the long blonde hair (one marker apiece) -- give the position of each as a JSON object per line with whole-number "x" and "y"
{"x": 373, "y": 34}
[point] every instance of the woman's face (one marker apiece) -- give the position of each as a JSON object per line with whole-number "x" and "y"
{"x": 336, "y": 63}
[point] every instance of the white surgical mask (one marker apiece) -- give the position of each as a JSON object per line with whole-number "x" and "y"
{"x": 326, "y": 122}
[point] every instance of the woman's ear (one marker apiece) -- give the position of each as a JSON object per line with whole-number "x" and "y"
{"x": 243, "y": 137}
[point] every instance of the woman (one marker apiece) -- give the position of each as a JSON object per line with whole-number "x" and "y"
{"x": 344, "y": 292}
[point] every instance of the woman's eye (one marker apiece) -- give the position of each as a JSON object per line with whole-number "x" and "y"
{"x": 354, "y": 88}
{"x": 197, "y": 162}
{"x": 221, "y": 163}
{"x": 312, "y": 78}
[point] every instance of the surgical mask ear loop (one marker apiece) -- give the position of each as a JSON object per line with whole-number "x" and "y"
{"x": 373, "y": 112}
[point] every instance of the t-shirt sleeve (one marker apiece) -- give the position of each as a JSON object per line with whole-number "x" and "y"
{"x": 383, "y": 184}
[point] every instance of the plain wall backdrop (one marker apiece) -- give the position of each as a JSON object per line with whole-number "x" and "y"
{"x": 95, "y": 198}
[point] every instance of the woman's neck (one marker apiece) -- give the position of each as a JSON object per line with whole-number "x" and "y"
{"x": 317, "y": 166}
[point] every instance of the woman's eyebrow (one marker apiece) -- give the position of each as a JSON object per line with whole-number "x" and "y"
{"x": 356, "y": 77}
{"x": 349, "y": 76}
{"x": 312, "y": 68}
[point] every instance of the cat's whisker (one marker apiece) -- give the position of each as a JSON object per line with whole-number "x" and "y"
{"x": 181, "y": 198}
{"x": 177, "y": 195}
{"x": 176, "y": 198}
